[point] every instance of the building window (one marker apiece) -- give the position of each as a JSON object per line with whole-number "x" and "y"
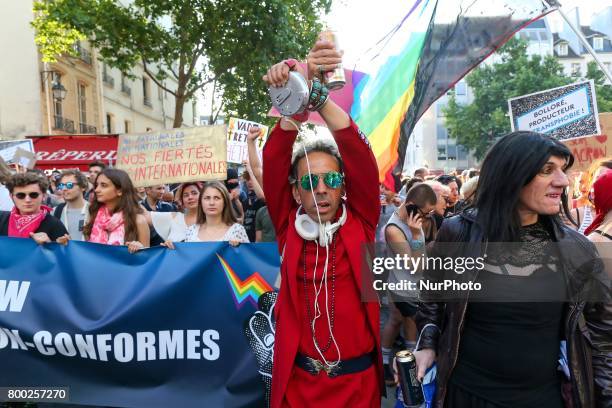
{"x": 124, "y": 85}
{"x": 598, "y": 43}
{"x": 576, "y": 68}
{"x": 441, "y": 152}
{"x": 461, "y": 153}
{"x": 126, "y": 126}
{"x": 145, "y": 92}
{"x": 82, "y": 96}
{"x": 109, "y": 123}
{"x": 562, "y": 49}
{"x": 441, "y": 132}
{"x": 461, "y": 88}
{"x": 451, "y": 152}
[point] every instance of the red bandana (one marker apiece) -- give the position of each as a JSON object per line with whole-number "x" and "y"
{"x": 20, "y": 226}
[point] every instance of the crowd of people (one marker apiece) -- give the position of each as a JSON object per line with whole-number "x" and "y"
{"x": 103, "y": 206}
{"x": 320, "y": 202}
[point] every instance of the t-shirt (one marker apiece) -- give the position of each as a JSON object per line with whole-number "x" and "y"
{"x": 169, "y": 225}
{"x": 263, "y": 223}
{"x": 75, "y": 219}
{"x": 250, "y": 206}
{"x": 234, "y": 233}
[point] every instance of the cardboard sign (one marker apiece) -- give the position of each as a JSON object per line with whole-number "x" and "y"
{"x": 174, "y": 155}
{"x": 586, "y": 150}
{"x": 24, "y": 158}
{"x": 566, "y": 112}
{"x": 237, "y": 132}
{"x": 8, "y": 149}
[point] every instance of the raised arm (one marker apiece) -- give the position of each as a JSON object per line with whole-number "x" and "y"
{"x": 276, "y": 168}
{"x": 254, "y": 162}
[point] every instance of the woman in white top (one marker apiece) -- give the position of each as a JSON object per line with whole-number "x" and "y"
{"x": 172, "y": 226}
{"x": 216, "y": 220}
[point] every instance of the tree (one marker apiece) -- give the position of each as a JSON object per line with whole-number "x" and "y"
{"x": 478, "y": 124}
{"x": 196, "y": 42}
{"x": 603, "y": 92}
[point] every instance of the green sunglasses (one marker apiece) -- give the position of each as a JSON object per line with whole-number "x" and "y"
{"x": 332, "y": 179}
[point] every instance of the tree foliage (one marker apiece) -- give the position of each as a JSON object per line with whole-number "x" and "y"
{"x": 603, "y": 91}
{"x": 478, "y": 124}
{"x": 195, "y": 42}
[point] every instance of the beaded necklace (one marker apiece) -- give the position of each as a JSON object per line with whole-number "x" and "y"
{"x": 333, "y": 297}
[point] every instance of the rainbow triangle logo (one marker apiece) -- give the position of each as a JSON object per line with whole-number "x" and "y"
{"x": 248, "y": 290}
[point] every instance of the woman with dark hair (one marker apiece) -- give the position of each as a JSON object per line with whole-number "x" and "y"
{"x": 506, "y": 354}
{"x": 115, "y": 216}
{"x": 216, "y": 220}
{"x": 172, "y": 226}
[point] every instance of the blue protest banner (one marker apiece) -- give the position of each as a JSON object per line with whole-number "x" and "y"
{"x": 159, "y": 328}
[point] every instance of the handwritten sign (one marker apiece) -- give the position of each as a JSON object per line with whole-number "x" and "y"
{"x": 237, "y": 132}
{"x": 8, "y": 149}
{"x": 589, "y": 149}
{"x": 24, "y": 158}
{"x": 174, "y": 155}
{"x": 564, "y": 113}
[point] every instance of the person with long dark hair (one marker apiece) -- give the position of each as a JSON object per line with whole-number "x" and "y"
{"x": 505, "y": 354}
{"x": 115, "y": 216}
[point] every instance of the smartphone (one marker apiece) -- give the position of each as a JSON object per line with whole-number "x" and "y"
{"x": 412, "y": 209}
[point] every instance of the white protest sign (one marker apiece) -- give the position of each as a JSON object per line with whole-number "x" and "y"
{"x": 566, "y": 112}
{"x": 8, "y": 148}
{"x": 237, "y": 132}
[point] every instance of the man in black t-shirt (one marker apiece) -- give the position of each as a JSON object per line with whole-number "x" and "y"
{"x": 30, "y": 218}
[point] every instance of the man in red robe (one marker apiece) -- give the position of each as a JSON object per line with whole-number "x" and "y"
{"x": 327, "y": 346}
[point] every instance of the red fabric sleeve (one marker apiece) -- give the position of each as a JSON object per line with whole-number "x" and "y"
{"x": 361, "y": 174}
{"x": 276, "y": 167}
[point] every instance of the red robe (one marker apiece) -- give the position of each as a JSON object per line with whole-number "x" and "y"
{"x": 363, "y": 211}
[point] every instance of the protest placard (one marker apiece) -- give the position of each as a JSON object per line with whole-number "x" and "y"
{"x": 24, "y": 158}
{"x": 587, "y": 150}
{"x": 8, "y": 148}
{"x": 174, "y": 155}
{"x": 565, "y": 112}
{"x": 237, "y": 132}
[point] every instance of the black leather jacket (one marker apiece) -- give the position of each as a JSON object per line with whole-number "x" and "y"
{"x": 588, "y": 325}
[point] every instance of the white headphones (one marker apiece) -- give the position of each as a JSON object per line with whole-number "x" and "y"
{"x": 311, "y": 230}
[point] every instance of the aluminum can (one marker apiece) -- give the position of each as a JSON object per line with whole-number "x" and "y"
{"x": 411, "y": 388}
{"x": 333, "y": 79}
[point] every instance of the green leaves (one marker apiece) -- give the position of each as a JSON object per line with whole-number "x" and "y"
{"x": 194, "y": 41}
{"x": 478, "y": 124}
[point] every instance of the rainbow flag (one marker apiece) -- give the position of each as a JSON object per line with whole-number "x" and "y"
{"x": 435, "y": 44}
{"x": 382, "y": 97}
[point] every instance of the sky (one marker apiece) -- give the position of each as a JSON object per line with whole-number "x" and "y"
{"x": 361, "y": 23}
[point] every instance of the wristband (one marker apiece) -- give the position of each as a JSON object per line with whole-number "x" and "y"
{"x": 301, "y": 117}
{"x": 291, "y": 63}
{"x": 416, "y": 243}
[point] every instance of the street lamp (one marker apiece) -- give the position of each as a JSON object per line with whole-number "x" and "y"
{"x": 58, "y": 91}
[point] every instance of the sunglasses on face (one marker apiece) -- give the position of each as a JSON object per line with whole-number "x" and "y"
{"x": 33, "y": 195}
{"x": 67, "y": 186}
{"x": 332, "y": 179}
